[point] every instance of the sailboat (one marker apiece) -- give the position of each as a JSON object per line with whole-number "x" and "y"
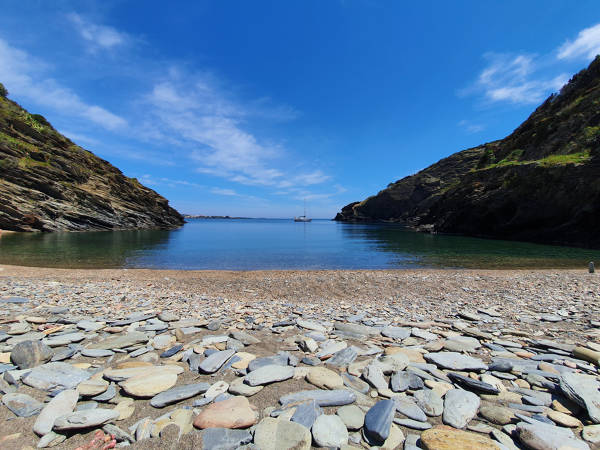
{"x": 302, "y": 218}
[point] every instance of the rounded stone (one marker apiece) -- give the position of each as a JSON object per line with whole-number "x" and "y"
{"x": 324, "y": 378}
{"x": 329, "y": 431}
{"x": 63, "y": 404}
{"x": 352, "y": 416}
{"x": 235, "y": 412}
{"x": 30, "y": 354}
{"x": 275, "y": 434}
{"x": 92, "y": 387}
{"x": 145, "y": 386}
{"x": 447, "y": 438}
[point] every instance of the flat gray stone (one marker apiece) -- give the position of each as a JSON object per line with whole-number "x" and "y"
{"x": 459, "y": 407}
{"x": 355, "y": 383}
{"x": 548, "y": 437}
{"x": 244, "y": 338}
{"x": 352, "y": 416}
{"x": 398, "y": 333}
{"x": 269, "y": 374}
{"x": 408, "y": 407}
{"x": 430, "y": 402}
{"x": 14, "y": 300}
{"x": 214, "y": 362}
{"x": 353, "y": 329}
{"x": 306, "y": 413}
{"x": 336, "y": 397}
{"x": 96, "y": 353}
{"x": 63, "y": 404}
{"x": 583, "y": 391}
{"x": 414, "y": 424}
{"x": 329, "y": 431}
{"x": 178, "y": 393}
{"x": 107, "y": 395}
{"x": 378, "y": 422}
{"x": 29, "y": 354}
{"x": 121, "y": 341}
{"x": 402, "y": 381}
{"x": 85, "y": 419}
{"x": 280, "y": 359}
{"x": 275, "y": 434}
{"x": 343, "y": 357}
{"x": 455, "y": 361}
{"x": 374, "y": 376}
{"x": 473, "y": 385}
{"x": 224, "y": 438}
{"x": 55, "y": 375}
{"x": 22, "y": 404}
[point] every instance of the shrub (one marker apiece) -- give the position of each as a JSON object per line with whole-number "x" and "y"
{"x": 3, "y": 91}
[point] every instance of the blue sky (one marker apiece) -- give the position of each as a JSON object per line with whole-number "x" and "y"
{"x": 246, "y": 108}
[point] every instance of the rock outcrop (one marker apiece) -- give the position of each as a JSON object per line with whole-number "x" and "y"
{"x": 539, "y": 184}
{"x": 48, "y": 183}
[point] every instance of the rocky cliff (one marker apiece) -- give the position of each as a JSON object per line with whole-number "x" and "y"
{"x": 541, "y": 183}
{"x": 47, "y": 183}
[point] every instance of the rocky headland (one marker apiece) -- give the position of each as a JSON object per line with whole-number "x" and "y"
{"x": 282, "y": 360}
{"x": 48, "y": 183}
{"x": 538, "y": 184}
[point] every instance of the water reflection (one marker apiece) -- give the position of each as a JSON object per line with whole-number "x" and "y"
{"x": 86, "y": 250}
{"x": 434, "y": 250}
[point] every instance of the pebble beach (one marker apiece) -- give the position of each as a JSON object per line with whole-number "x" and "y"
{"x": 430, "y": 359}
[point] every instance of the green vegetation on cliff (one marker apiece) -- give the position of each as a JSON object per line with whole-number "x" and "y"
{"x": 541, "y": 183}
{"x": 48, "y": 183}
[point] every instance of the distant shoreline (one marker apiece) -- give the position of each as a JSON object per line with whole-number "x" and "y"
{"x": 193, "y": 216}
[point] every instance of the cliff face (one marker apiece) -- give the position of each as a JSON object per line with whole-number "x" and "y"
{"x": 47, "y": 183}
{"x": 541, "y": 183}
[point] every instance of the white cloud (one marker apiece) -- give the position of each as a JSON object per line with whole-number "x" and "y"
{"x": 97, "y": 36}
{"x": 515, "y": 79}
{"x": 24, "y": 77}
{"x": 587, "y": 45}
{"x": 471, "y": 127}
{"x": 228, "y": 192}
{"x": 199, "y": 112}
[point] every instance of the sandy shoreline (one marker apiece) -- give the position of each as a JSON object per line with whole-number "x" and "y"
{"x": 522, "y": 296}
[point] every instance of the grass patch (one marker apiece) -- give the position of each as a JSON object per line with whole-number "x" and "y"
{"x": 27, "y": 162}
{"x": 17, "y": 143}
{"x": 548, "y": 161}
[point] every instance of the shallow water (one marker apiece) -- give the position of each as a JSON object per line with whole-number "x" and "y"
{"x": 256, "y": 244}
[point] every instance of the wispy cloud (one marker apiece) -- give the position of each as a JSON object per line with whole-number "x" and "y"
{"x": 515, "y": 79}
{"x": 24, "y": 77}
{"x": 471, "y": 127}
{"x": 206, "y": 118}
{"x": 97, "y": 36}
{"x": 227, "y": 192}
{"x": 586, "y": 45}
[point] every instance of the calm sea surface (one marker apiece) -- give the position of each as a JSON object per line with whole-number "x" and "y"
{"x": 256, "y": 244}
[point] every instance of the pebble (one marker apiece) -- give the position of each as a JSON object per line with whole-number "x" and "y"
{"x": 274, "y": 434}
{"x": 338, "y": 397}
{"x": 85, "y": 419}
{"x": 63, "y": 404}
{"x": 55, "y": 375}
{"x": 324, "y": 378}
{"x": 442, "y": 437}
{"x": 214, "y": 362}
{"x": 329, "y": 431}
{"x": 145, "y": 386}
{"x": 306, "y": 413}
{"x": 539, "y": 435}
{"x": 28, "y": 354}
{"x": 408, "y": 407}
{"x": 460, "y": 407}
{"x": 583, "y": 391}
{"x": 352, "y": 416}
{"x": 177, "y": 394}
{"x": 22, "y": 405}
{"x": 269, "y": 374}
{"x": 455, "y": 361}
{"x": 224, "y": 438}
{"x": 378, "y": 422}
{"x": 235, "y": 412}
{"x": 431, "y": 403}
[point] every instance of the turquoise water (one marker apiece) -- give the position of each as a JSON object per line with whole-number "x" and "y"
{"x": 256, "y": 244}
